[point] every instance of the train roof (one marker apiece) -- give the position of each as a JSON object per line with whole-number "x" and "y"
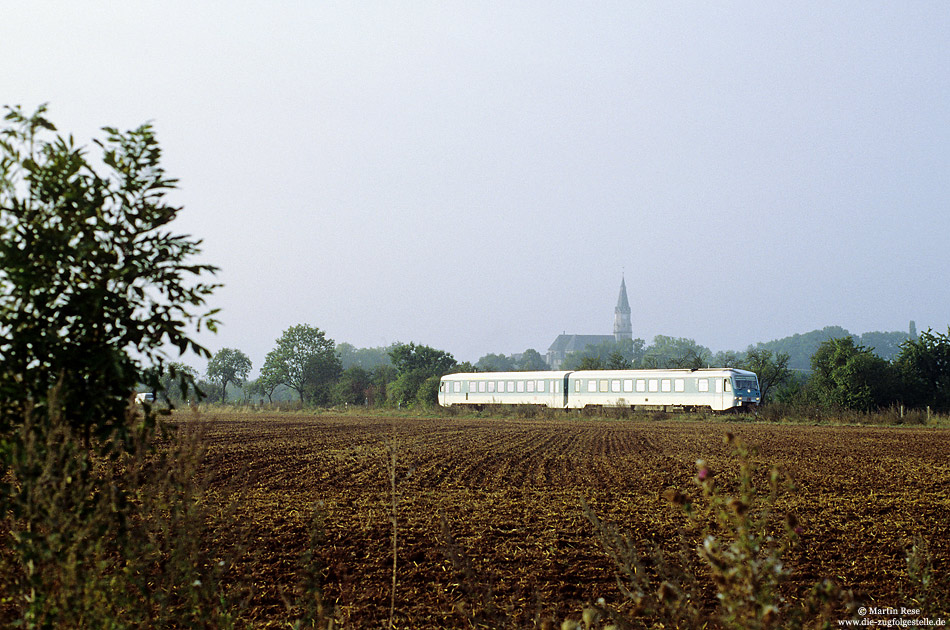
{"x": 676, "y": 371}
{"x": 474, "y": 376}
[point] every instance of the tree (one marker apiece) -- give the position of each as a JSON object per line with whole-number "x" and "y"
{"x": 531, "y": 361}
{"x": 304, "y": 360}
{"x": 268, "y": 381}
{"x": 228, "y": 366}
{"x": 727, "y": 358}
{"x": 590, "y": 363}
{"x": 528, "y": 361}
{"x": 850, "y": 376}
{"x": 414, "y": 365}
{"x": 174, "y": 381}
{"x": 673, "y": 352}
{"x": 624, "y": 352}
{"x": 366, "y": 358}
{"x": 924, "y": 368}
{"x": 616, "y": 361}
{"x": 886, "y": 345}
{"x": 409, "y": 357}
{"x": 771, "y": 369}
{"x": 465, "y": 367}
{"x": 495, "y": 363}
{"x": 801, "y": 347}
{"x": 352, "y": 387}
{"x": 380, "y": 378}
{"x": 428, "y": 392}
{"x": 94, "y": 284}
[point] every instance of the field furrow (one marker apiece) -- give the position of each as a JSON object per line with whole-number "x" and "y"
{"x": 510, "y": 495}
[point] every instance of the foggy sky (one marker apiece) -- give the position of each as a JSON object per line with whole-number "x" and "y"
{"x": 479, "y": 176}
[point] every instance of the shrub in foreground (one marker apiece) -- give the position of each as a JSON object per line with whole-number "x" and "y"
{"x": 115, "y": 541}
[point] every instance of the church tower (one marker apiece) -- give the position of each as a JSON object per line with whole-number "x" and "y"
{"x": 623, "y": 329}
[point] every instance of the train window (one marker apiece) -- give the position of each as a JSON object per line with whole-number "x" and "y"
{"x": 441, "y": 387}
{"x": 728, "y": 385}
{"x": 481, "y": 387}
{"x": 602, "y": 385}
{"x": 746, "y": 383}
{"x": 511, "y": 386}
{"x": 457, "y": 388}
{"x": 615, "y": 386}
{"x": 540, "y": 386}
{"x": 557, "y": 386}
{"x": 591, "y": 386}
{"x": 628, "y": 385}
{"x": 654, "y": 385}
{"x": 491, "y": 386}
{"x": 472, "y": 386}
{"x": 679, "y": 385}
{"x": 520, "y": 387}
{"x": 702, "y": 384}
{"x": 577, "y": 386}
{"x": 641, "y": 385}
{"x": 530, "y": 385}
{"x": 718, "y": 385}
{"x": 665, "y": 385}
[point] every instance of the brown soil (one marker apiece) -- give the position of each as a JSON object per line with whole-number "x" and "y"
{"x": 510, "y": 493}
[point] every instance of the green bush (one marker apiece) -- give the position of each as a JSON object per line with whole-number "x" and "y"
{"x": 96, "y": 286}
{"x": 428, "y": 392}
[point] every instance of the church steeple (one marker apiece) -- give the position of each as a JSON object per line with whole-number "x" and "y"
{"x": 623, "y": 329}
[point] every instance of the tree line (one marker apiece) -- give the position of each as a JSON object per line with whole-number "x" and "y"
{"x": 847, "y": 375}
{"x": 801, "y": 347}
{"x": 843, "y": 374}
{"x": 307, "y": 366}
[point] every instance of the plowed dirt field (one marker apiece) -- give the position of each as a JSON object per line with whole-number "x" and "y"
{"x": 510, "y": 492}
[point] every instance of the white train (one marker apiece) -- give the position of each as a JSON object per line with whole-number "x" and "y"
{"x": 719, "y": 389}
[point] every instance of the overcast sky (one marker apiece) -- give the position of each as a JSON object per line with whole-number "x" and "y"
{"x": 478, "y": 176}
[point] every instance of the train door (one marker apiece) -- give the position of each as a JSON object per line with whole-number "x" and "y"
{"x": 723, "y": 397}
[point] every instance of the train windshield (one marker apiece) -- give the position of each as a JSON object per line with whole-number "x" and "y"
{"x": 746, "y": 382}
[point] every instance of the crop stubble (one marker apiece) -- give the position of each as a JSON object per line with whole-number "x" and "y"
{"x": 511, "y": 491}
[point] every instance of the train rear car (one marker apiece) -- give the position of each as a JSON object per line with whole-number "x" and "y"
{"x": 503, "y": 388}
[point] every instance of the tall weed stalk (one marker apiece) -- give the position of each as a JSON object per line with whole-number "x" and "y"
{"x": 391, "y": 450}
{"x": 929, "y": 587}
{"x": 740, "y": 552}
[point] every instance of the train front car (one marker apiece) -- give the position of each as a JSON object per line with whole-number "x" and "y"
{"x": 745, "y": 389}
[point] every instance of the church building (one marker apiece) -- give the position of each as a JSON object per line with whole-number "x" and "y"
{"x": 565, "y": 344}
